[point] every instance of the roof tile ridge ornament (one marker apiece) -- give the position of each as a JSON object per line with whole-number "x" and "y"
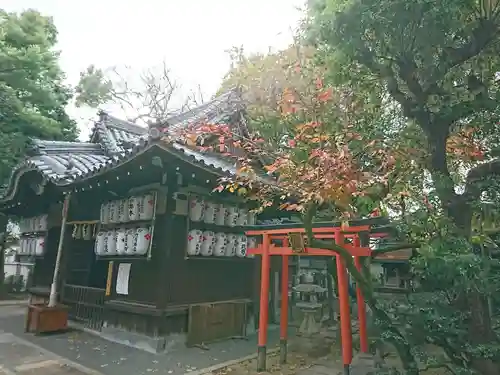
{"x": 69, "y": 168}
{"x": 111, "y": 148}
{"x": 103, "y": 115}
{"x": 97, "y": 129}
{"x": 157, "y": 129}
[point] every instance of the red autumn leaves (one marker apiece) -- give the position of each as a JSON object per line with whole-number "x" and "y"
{"x": 291, "y": 101}
{"x": 464, "y": 146}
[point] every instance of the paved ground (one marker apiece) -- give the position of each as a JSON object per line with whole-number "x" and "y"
{"x": 361, "y": 365}
{"x": 115, "y": 359}
{"x": 21, "y": 357}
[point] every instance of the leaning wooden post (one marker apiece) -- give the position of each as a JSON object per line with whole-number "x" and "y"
{"x": 345, "y": 315}
{"x": 284, "y": 306}
{"x": 53, "y": 287}
{"x": 264, "y": 304}
{"x": 363, "y": 331}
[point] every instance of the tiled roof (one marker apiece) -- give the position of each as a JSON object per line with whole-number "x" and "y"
{"x": 63, "y": 161}
{"x": 116, "y": 135}
{"x": 212, "y": 163}
{"x": 57, "y": 162}
{"x": 114, "y": 141}
{"x": 217, "y": 111}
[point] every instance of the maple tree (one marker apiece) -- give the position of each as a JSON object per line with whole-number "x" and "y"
{"x": 318, "y": 154}
{"x": 319, "y": 146}
{"x": 321, "y": 161}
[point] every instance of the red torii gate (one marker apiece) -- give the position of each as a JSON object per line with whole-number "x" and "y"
{"x": 293, "y": 244}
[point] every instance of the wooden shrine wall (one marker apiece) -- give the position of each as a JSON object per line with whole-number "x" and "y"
{"x": 138, "y": 311}
{"x": 205, "y": 280}
{"x": 142, "y": 286}
{"x": 44, "y": 266}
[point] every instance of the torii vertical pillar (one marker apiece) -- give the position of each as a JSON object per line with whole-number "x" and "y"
{"x": 345, "y": 314}
{"x": 264, "y": 304}
{"x": 284, "y": 306}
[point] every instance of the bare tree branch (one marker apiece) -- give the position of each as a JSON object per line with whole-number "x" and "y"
{"x": 146, "y": 98}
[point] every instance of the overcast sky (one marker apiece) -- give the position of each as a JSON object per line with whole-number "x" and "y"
{"x": 190, "y": 35}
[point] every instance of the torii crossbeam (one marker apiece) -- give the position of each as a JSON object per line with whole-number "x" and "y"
{"x": 289, "y": 240}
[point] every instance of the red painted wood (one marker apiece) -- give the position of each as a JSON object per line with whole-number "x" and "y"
{"x": 345, "y": 314}
{"x": 309, "y": 251}
{"x": 264, "y": 291}
{"x": 361, "y": 228}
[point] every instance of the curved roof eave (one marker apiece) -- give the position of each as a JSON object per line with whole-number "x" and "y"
{"x": 33, "y": 164}
{"x": 11, "y": 189}
{"x": 213, "y": 165}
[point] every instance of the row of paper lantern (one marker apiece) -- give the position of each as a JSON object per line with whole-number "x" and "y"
{"x": 219, "y": 214}
{"x": 209, "y": 243}
{"x": 33, "y": 224}
{"x": 134, "y": 241}
{"x": 130, "y": 209}
{"x": 32, "y": 246}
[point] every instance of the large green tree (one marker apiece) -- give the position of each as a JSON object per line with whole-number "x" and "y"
{"x": 33, "y": 95}
{"x": 438, "y": 64}
{"x": 422, "y": 78}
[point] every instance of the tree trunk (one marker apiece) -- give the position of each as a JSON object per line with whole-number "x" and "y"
{"x": 3, "y": 241}
{"x": 459, "y": 210}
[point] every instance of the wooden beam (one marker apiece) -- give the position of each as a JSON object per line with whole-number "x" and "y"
{"x": 286, "y": 231}
{"x": 309, "y": 251}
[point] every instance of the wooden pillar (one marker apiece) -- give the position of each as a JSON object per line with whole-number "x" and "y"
{"x": 284, "y": 305}
{"x": 363, "y": 330}
{"x": 264, "y": 304}
{"x": 164, "y": 232}
{"x": 345, "y": 314}
{"x": 55, "y": 278}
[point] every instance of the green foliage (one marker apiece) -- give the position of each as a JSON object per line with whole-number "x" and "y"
{"x": 33, "y": 95}
{"x": 93, "y": 88}
{"x": 433, "y": 67}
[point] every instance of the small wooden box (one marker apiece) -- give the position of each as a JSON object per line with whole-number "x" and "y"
{"x": 43, "y": 319}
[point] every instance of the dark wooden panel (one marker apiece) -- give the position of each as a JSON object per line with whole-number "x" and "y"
{"x": 143, "y": 281}
{"x": 218, "y": 321}
{"x": 134, "y": 322}
{"x": 146, "y": 319}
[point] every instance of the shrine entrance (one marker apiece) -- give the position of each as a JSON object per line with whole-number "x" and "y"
{"x": 289, "y": 240}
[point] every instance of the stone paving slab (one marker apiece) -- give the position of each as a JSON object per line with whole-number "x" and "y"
{"x": 19, "y": 357}
{"x": 50, "y": 369}
{"x": 13, "y": 354}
